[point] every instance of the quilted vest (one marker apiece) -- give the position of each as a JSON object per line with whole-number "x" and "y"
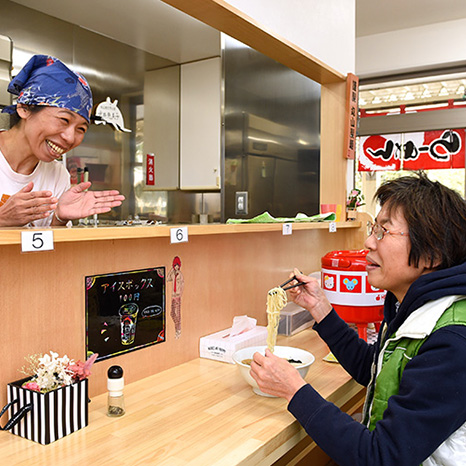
{"x": 401, "y": 347}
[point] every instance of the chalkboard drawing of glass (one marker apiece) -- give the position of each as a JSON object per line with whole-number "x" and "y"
{"x": 125, "y": 311}
{"x": 128, "y": 320}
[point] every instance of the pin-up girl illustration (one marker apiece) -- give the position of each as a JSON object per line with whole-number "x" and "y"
{"x": 177, "y": 278}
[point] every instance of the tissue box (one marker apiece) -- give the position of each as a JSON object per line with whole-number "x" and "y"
{"x": 294, "y": 319}
{"x": 220, "y": 346}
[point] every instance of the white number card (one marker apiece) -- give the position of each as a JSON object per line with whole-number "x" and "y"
{"x": 37, "y": 241}
{"x": 332, "y": 227}
{"x": 179, "y": 235}
{"x": 287, "y": 228}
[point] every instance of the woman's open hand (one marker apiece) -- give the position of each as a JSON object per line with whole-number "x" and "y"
{"x": 27, "y": 206}
{"x": 77, "y": 202}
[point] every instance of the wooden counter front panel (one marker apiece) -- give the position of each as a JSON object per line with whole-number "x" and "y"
{"x": 43, "y": 302}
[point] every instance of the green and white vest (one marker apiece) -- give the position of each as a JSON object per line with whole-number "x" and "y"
{"x": 397, "y": 351}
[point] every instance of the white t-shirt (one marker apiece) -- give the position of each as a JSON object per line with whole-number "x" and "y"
{"x": 47, "y": 176}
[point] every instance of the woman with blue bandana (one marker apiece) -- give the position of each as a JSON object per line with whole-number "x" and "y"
{"x": 51, "y": 117}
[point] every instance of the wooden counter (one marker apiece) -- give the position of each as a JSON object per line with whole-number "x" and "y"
{"x": 90, "y": 233}
{"x": 197, "y": 413}
{"x": 227, "y": 270}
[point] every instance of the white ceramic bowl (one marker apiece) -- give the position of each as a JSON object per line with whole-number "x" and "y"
{"x": 287, "y": 352}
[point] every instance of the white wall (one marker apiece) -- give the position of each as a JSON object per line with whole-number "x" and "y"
{"x": 426, "y": 47}
{"x": 323, "y": 28}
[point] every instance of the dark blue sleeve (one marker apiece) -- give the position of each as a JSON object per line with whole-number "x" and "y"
{"x": 429, "y": 407}
{"x": 353, "y": 353}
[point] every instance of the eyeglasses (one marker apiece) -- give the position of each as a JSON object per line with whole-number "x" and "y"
{"x": 379, "y": 231}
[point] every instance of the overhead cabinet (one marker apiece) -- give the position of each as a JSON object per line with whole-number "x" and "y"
{"x": 200, "y": 125}
{"x": 161, "y": 124}
{"x": 182, "y": 125}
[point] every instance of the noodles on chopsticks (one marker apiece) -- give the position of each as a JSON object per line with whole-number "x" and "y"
{"x": 276, "y": 301}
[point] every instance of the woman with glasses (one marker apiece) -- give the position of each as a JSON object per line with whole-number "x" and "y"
{"x": 415, "y": 409}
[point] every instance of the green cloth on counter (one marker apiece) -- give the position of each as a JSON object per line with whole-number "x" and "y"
{"x": 300, "y": 218}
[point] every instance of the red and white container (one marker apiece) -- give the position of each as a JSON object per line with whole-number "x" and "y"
{"x": 344, "y": 281}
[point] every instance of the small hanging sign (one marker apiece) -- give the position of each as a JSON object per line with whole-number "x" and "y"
{"x": 150, "y": 170}
{"x": 351, "y": 117}
{"x": 108, "y": 112}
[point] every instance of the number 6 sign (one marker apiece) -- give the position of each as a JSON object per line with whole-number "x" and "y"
{"x": 179, "y": 235}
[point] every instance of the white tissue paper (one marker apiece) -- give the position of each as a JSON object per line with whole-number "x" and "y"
{"x": 242, "y": 324}
{"x": 243, "y": 333}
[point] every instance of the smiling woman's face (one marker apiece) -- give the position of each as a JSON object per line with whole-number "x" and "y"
{"x": 52, "y": 131}
{"x": 387, "y": 260}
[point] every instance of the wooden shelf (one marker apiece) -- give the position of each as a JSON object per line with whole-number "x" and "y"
{"x": 9, "y": 236}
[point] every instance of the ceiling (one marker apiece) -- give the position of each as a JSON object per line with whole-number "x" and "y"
{"x": 148, "y": 25}
{"x": 376, "y": 16}
{"x": 157, "y": 28}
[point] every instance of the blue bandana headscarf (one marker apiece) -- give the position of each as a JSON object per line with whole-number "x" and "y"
{"x": 45, "y": 80}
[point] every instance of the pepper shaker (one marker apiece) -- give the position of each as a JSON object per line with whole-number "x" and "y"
{"x": 115, "y": 385}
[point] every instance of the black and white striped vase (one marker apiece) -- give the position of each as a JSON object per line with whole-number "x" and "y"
{"x": 51, "y": 415}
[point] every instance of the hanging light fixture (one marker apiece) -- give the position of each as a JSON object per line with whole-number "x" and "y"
{"x": 426, "y": 93}
{"x": 408, "y": 96}
{"x": 443, "y": 91}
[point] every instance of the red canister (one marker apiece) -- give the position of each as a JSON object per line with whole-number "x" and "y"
{"x": 344, "y": 281}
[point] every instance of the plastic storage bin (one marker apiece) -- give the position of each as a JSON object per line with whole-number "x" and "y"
{"x": 294, "y": 319}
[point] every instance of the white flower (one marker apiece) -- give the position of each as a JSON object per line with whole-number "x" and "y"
{"x": 52, "y": 372}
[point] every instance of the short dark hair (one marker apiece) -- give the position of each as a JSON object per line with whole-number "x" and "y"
{"x": 15, "y": 118}
{"x": 436, "y": 217}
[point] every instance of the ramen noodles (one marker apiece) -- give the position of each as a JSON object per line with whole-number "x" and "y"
{"x": 276, "y": 301}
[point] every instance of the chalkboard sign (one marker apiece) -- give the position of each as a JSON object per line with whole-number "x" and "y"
{"x": 124, "y": 311}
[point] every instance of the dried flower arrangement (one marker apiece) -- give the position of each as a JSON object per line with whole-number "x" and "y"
{"x": 49, "y": 372}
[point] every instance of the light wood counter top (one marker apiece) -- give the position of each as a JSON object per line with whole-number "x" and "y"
{"x": 198, "y": 413}
{"x": 78, "y": 233}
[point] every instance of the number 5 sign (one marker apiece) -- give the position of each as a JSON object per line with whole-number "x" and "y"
{"x": 36, "y": 241}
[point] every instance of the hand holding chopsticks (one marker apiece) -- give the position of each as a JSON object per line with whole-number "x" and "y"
{"x": 310, "y": 297}
{"x": 291, "y": 286}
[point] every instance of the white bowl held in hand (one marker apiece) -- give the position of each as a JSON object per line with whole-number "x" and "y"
{"x": 286, "y": 352}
